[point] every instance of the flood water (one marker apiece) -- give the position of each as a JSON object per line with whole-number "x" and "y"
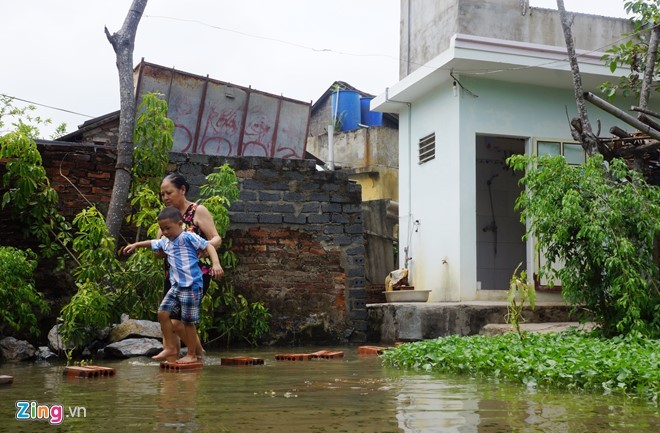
{"x": 353, "y": 394}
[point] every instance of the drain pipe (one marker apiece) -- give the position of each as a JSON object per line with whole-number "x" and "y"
{"x": 331, "y": 147}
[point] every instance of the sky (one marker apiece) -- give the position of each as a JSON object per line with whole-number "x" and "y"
{"x": 55, "y": 53}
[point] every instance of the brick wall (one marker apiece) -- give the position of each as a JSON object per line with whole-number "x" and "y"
{"x": 80, "y": 173}
{"x": 298, "y": 236}
{"x": 297, "y": 233}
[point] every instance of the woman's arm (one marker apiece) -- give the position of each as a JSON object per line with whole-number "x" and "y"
{"x": 204, "y": 221}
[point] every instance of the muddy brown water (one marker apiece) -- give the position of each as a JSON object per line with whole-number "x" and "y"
{"x": 353, "y": 394}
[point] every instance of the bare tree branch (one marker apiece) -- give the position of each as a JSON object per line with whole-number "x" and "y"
{"x": 587, "y": 138}
{"x": 123, "y": 43}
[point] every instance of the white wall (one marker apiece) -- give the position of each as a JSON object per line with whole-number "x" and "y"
{"x": 434, "y": 195}
{"x": 443, "y": 191}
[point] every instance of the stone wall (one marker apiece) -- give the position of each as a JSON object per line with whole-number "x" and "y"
{"x": 297, "y": 233}
{"x": 298, "y": 236}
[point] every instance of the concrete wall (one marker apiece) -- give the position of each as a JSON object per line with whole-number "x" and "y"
{"x": 427, "y": 26}
{"x": 390, "y": 323}
{"x": 369, "y": 155}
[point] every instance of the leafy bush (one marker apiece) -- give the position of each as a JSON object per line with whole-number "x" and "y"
{"x": 18, "y": 297}
{"x": 563, "y": 360}
{"x": 601, "y": 220}
{"x": 29, "y": 195}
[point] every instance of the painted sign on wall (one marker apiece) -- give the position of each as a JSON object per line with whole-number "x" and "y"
{"x": 216, "y": 118}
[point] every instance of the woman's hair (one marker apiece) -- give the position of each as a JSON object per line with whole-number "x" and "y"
{"x": 177, "y": 180}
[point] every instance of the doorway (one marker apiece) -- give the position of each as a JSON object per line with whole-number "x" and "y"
{"x": 500, "y": 244}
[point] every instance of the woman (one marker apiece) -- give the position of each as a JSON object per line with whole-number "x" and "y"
{"x": 197, "y": 219}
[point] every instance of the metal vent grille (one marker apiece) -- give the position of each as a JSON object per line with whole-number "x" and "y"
{"x": 427, "y": 148}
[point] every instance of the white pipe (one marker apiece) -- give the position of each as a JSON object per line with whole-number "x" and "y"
{"x": 331, "y": 147}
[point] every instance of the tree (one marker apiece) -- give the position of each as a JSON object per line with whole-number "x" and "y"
{"x": 123, "y": 42}
{"x": 581, "y": 128}
{"x": 601, "y": 221}
{"x": 641, "y": 56}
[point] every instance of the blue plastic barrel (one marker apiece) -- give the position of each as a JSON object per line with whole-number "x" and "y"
{"x": 369, "y": 118}
{"x": 346, "y": 109}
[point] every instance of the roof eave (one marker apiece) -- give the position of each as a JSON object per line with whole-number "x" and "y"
{"x": 496, "y": 59}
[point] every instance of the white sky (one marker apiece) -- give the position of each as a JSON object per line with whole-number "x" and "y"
{"x": 56, "y": 53}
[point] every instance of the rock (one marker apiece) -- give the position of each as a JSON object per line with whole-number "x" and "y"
{"x": 135, "y": 328}
{"x": 55, "y": 340}
{"x": 14, "y": 350}
{"x": 133, "y": 347}
{"x": 44, "y": 352}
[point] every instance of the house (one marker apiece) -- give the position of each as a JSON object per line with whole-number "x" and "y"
{"x": 368, "y": 152}
{"x": 213, "y": 117}
{"x": 481, "y": 80}
{"x": 365, "y": 148}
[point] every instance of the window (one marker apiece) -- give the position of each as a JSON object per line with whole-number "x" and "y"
{"x": 574, "y": 155}
{"x": 573, "y": 152}
{"x": 427, "y": 148}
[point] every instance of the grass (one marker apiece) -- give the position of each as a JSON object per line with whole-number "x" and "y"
{"x": 563, "y": 360}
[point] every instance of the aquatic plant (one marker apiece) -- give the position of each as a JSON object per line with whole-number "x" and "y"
{"x": 571, "y": 360}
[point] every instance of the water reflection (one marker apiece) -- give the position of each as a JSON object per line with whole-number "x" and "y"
{"x": 177, "y": 394}
{"x": 354, "y": 394}
{"x": 427, "y": 404}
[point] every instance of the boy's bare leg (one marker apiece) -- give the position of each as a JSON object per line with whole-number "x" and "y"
{"x": 199, "y": 349}
{"x": 190, "y": 340}
{"x": 169, "y": 352}
{"x": 180, "y": 335}
{"x": 177, "y": 327}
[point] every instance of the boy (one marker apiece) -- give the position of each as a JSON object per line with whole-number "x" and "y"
{"x": 185, "y": 295}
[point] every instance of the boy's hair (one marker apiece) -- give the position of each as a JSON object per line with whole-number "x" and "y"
{"x": 170, "y": 213}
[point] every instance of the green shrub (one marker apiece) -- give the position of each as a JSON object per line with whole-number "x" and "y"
{"x": 19, "y": 300}
{"x": 601, "y": 220}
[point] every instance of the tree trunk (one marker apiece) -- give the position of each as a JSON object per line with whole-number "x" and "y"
{"x": 647, "y": 84}
{"x": 587, "y": 137}
{"x": 123, "y": 42}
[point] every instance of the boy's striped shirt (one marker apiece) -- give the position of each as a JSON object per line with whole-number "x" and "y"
{"x": 182, "y": 257}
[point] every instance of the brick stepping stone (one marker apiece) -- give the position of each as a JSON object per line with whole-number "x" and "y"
{"x": 241, "y": 360}
{"x": 371, "y": 350}
{"x": 89, "y": 371}
{"x": 172, "y": 366}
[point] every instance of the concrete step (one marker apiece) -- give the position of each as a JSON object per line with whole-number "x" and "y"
{"x": 412, "y": 321}
{"x": 493, "y": 329}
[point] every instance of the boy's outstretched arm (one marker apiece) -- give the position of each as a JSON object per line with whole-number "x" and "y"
{"x": 213, "y": 254}
{"x": 128, "y": 249}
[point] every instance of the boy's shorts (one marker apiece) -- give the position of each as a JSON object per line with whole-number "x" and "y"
{"x": 184, "y": 302}
{"x": 206, "y": 279}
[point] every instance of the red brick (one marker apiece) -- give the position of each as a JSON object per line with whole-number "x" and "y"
{"x": 174, "y": 367}
{"x": 241, "y": 360}
{"x": 371, "y": 350}
{"x": 89, "y": 371}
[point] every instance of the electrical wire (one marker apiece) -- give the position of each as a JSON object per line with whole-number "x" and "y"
{"x": 267, "y": 38}
{"x": 47, "y": 106}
